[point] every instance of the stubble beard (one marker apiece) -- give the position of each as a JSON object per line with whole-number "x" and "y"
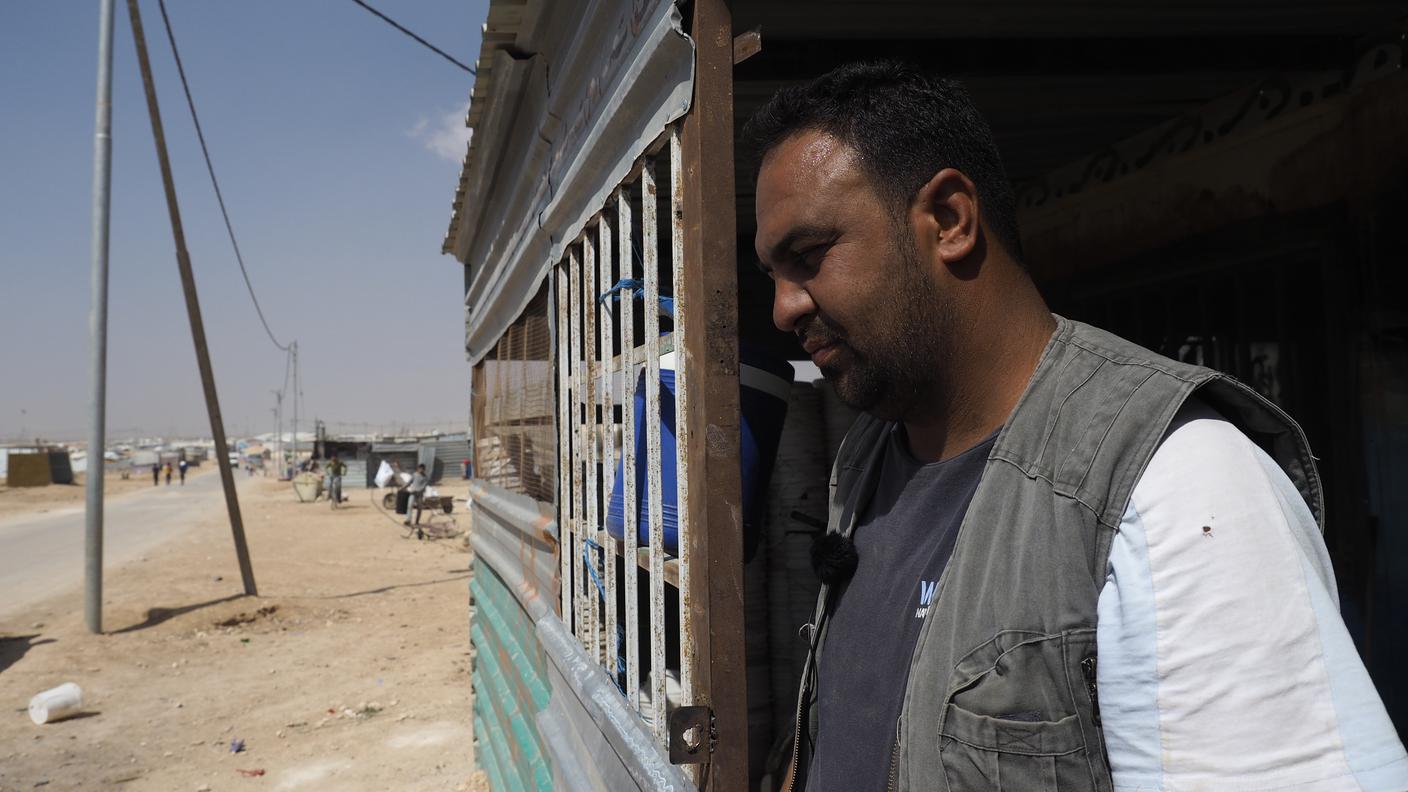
{"x": 893, "y": 369}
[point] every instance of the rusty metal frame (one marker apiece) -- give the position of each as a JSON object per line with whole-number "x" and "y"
{"x": 593, "y": 378}
{"x": 589, "y": 374}
{"x": 706, "y": 306}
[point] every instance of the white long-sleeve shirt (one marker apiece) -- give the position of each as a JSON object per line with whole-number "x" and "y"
{"x": 1224, "y": 663}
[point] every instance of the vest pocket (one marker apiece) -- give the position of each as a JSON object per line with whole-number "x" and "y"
{"x": 1013, "y": 723}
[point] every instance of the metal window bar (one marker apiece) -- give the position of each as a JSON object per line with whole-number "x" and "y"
{"x": 590, "y": 371}
{"x": 629, "y": 501}
{"x": 565, "y": 465}
{"x": 591, "y": 392}
{"x": 650, "y": 254}
{"x": 607, "y": 335}
{"x": 574, "y": 277}
{"x": 682, "y": 417}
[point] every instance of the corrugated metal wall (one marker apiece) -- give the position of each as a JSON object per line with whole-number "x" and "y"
{"x": 450, "y": 453}
{"x": 356, "y": 475}
{"x": 546, "y": 716}
{"x": 509, "y": 677}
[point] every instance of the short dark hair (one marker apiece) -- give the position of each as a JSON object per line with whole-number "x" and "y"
{"x": 905, "y": 124}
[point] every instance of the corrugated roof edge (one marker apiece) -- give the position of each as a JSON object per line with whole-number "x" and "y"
{"x": 509, "y": 25}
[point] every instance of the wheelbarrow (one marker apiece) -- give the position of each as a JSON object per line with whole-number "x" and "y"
{"x": 431, "y": 503}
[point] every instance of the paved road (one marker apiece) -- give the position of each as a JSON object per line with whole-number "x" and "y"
{"x": 42, "y": 555}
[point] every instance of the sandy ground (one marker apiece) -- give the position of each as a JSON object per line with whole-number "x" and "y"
{"x": 350, "y": 672}
{"x": 16, "y": 501}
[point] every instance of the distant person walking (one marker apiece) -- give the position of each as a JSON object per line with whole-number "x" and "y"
{"x": 335, "y": 468}
{"x": 416, "y": 489}
{"x": 182, "y": 466}
{"x": 168, "y": 474}
{"x": 156, "y": 473}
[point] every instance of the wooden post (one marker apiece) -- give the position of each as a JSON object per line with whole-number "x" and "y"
{"x": 707, "y": 308}
{"x": 188, "y": 288}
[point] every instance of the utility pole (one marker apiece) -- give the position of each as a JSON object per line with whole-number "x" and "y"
{"x": 98, "y": 331}
{"x": 188, "y": 286}
{"x": 279, "y": 434}
{"x": 294, "y": 346}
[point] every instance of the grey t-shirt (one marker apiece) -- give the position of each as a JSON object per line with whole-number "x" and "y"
{"x": 904, "y": 540}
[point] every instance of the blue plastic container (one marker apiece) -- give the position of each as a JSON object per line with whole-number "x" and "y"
{"x": 764, "y": 389}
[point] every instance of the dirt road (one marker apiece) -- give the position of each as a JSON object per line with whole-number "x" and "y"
{"x": 350, "y": 672}
{"x": 41, "y": 554}
{"x": 20, "y": 501}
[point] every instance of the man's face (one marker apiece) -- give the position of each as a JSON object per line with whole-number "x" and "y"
{"x": 848, "y": 277}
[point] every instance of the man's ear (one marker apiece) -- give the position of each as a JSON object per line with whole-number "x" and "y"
{"x": 945, "y": 216}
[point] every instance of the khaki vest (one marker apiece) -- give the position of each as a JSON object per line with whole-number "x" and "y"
{"x": 1001, "y": 691}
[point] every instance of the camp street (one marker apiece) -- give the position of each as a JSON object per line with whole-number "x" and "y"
{"x": 42, "y": 554}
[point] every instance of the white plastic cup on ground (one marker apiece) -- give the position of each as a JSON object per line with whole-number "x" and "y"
{"x": 56, "y": 704}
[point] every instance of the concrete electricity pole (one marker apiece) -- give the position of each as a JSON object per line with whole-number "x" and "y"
{"x": 294, "y": 346}
{"x": 98, "y": 330}
{"x": 278, "y": 433}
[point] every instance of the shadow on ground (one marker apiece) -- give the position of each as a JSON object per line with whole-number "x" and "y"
{"x": 156, "y": 616}
{"x": 384, "y": 589}
{"x": 14, "y": 647}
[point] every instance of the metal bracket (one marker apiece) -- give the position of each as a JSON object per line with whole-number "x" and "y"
{"x": 692, "y": 735}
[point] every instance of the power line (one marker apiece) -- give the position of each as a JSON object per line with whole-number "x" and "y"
{"x": 388, "y": 20}
{"x": 220, "y": 198}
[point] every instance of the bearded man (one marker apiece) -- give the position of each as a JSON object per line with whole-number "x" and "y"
{"x": 1054, "y": 560}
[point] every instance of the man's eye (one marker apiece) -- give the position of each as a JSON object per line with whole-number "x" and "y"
{"x": 812, "y": 257}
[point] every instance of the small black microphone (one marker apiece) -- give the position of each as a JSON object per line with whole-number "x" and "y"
{"x": 834, "y": 558}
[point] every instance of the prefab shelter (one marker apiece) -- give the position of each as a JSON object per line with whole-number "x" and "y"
{"x": 37, "y": 468}
{"x": 6, "y": 451}
{"x": 353, "y": 453}
{"x": 1214, "y": 181}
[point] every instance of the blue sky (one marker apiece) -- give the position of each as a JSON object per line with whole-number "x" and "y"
{"x": 337, "y": 142}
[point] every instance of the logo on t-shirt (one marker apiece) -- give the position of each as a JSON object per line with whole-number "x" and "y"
{"x": 926, "y": 594}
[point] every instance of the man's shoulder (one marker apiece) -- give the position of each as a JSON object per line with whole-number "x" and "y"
{"x": 1219, "y": 632}
{"x": 1204, "y": 459}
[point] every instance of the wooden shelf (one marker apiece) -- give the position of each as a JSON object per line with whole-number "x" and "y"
{"x": 672, "y": 564}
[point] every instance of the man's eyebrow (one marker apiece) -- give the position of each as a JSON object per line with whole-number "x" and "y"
{"x": 801, "y": 233}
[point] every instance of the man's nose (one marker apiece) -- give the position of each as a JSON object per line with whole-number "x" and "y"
{"x": 790, "y": 304}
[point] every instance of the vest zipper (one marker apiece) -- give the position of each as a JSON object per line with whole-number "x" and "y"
{"x": 808, "y": 669}
{"x": 894, "y": 761}
{"x": 1088, "y": 668}
{"x": 796, "y": 745}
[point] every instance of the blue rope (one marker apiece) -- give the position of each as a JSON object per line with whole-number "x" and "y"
{"x": 620, "y": 676}
{"x": 637, "y": 289}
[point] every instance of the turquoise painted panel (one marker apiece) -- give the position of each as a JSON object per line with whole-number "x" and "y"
{"x": 512, "y": 639}
{"x": 499, "y": 752}
{"x": 525, "y": 745}
{"x": 486, "y": 756}
{"x": 510, "y": 687}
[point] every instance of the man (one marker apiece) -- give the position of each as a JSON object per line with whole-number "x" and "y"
{"x": 416, "y": 489}
{"x": 1021, "y": 491}
{"x": 335, "y": 470}
{"x": 156, "y": 474}
{"x": 183, "y": 465}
